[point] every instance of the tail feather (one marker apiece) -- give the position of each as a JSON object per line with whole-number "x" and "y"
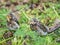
{"x": 53, "y": 28}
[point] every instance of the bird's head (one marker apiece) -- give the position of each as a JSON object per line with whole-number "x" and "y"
{"x": 9, "y": 18}
{"x": 33, "y": 24}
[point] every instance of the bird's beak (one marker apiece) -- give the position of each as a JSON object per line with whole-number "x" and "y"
{"x": 8, "y": 18}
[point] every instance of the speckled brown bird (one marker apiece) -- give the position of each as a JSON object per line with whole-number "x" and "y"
{"x": 12, "y": 20}
{"x": 42, "y": 29}
{"x": 6, "y": 35}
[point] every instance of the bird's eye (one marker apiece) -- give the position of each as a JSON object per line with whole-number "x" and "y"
{"x": 31, "y": 24}
{"x": 35, "y": 24}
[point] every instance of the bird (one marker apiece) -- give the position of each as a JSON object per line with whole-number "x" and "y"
{"x": 12, "y": 20}
{"x": 6, "y": 35}
{"x": 42, "y": 29}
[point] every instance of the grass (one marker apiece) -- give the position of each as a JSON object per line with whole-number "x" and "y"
{"x": 18, "y": 39}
